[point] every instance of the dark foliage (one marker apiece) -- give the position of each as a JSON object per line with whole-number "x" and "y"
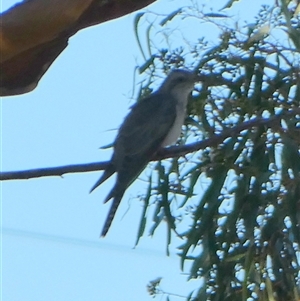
{"x": 237, "y": 204}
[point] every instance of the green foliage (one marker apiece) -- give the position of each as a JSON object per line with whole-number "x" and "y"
{"x": 240, "y": 196}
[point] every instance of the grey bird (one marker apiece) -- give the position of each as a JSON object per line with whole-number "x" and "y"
{"x": 153, "y": 123}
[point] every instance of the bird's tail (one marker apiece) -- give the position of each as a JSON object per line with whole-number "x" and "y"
{"x": 107, "y": 173}
{"x": 112, "y": 210}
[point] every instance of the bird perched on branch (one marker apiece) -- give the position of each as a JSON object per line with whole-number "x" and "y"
{"x": 153, "y": 123}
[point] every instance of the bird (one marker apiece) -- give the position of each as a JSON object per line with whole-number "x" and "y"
{"x": 153, "y": 123}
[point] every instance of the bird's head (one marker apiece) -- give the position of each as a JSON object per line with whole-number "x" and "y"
{"x": 180, "y": 82}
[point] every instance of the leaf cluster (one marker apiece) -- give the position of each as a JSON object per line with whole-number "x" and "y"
{"x": 236, "y": 205}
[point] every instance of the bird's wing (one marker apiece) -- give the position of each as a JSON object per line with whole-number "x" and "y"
{"x": 147, "y": 124}
{"x": 140, "y": 136}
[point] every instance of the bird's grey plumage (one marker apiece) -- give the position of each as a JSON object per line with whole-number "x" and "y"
{"x": 153, "y": 122}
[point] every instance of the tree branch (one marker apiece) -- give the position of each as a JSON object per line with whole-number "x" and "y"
{"x": 173, "y": 151}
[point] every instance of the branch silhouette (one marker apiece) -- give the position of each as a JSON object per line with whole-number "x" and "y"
{"x": 172, "y": 151}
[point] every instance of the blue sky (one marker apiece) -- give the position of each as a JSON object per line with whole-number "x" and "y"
{"x": 50, "y": 246}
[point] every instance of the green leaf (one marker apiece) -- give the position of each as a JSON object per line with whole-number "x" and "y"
{"x": 143, "y": 216}
{"x": 205, "y": 211}
{"x": 147, "y": 64}
{"x": 229, "y": 4}
{"x": 193, "y": 179}
{"x": 136, "y": 32}
{"x": 170, "y": 16}
{"x": 215, "y": 15}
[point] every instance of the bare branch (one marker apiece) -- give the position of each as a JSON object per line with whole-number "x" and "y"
{"x": 173, "y": 151}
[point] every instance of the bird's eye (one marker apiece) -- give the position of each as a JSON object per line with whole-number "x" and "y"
{"x": 180, "y": 79}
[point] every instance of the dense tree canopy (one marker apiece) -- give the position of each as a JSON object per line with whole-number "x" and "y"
{"x": 239, "y": 194}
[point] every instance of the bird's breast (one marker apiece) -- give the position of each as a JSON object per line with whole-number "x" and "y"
{"x": 175, "y": 130}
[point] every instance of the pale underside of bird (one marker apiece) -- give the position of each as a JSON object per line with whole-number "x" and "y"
{"x": 153, "y": 123}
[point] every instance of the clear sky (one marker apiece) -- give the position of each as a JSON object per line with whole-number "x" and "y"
{"x": 50, "y": 245}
